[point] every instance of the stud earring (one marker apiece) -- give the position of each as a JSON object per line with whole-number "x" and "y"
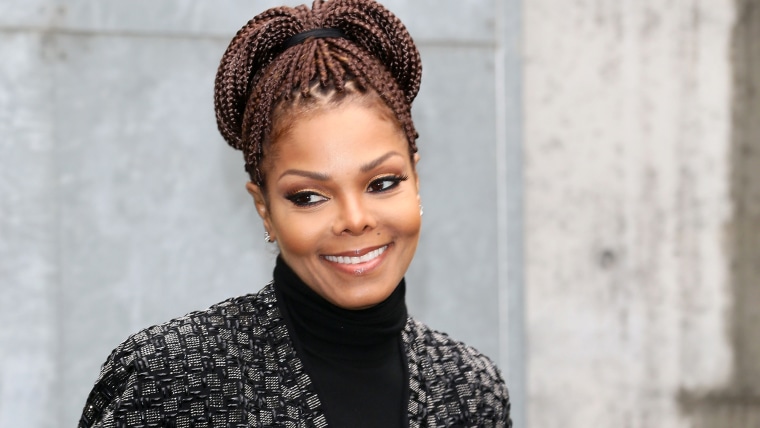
{"x": 267, "y": 238}
{"x": 421, "y": 210}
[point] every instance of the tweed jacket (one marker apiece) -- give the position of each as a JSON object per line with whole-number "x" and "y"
{"x": 234, "y": 365}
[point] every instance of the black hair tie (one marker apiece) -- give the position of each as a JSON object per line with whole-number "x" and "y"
{"x": 317, "y": 33}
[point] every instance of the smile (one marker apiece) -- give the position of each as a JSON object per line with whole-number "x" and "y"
{"x": 348, "y": 260}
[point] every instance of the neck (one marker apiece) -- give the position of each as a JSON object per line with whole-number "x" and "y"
{"x": 325, "y": 329}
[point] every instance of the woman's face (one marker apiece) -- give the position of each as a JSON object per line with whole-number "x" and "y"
{"x": 342, "y": 203}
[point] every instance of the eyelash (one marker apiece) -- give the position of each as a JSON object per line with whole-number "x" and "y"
{"x": 394, "y": 179}
{"x": 297, "y": 198}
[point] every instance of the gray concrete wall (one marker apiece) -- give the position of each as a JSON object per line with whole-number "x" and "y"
{"x": 629, "y": 153}
{"x": 121, "y": 207}
{"x": 737, "y": 402}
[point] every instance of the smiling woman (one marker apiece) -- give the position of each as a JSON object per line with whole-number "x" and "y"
{"x": 319, "y": 101}
{"x": 342, "y": 202}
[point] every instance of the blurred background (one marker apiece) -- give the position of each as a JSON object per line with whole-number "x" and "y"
{"x": 590, "y": 176}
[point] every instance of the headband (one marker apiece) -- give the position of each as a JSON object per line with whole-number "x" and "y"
{"x": 317, "y": 33}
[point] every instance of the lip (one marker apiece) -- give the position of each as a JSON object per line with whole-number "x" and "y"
{"x": 360, "y": 268}
{"x": 357, "y": 253}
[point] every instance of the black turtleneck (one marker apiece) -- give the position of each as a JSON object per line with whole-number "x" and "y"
{"x": 354, "y": 357}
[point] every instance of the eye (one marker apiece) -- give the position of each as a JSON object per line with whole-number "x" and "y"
{"x": 305, "y": 199}
{"x": 383, "y": 184}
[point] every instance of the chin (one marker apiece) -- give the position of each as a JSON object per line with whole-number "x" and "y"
{"x": 363, "y": 299}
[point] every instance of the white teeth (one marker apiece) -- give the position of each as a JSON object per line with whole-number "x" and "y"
{"x": 356, "y": 260}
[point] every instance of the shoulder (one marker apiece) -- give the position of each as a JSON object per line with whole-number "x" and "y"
{"x": 196, "y": 331}
{"x": 460, "y": 370}
{"x": 169, "y": 359}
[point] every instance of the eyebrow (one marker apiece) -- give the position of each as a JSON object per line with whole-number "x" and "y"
{"x": 308, "y": 174}
{"x": 319, "y": 176}
{"x": 369, "y": 166}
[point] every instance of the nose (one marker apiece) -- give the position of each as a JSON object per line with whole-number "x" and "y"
{"x": 354, "y": 218}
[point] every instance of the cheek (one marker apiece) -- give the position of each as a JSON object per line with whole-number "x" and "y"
{"x": 298, "y": 235}
{"x": 413, "y": 220}
{"x": 406, "y": 219}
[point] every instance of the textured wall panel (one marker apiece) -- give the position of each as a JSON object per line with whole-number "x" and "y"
{"x": 155, "y": 219}
{"x": 28, "y": 235}
{"x": 441, "y": 20}
{"x": 19, "y": 14}
{"x": 737, "y": 402}
{"x": 627, "y": 112}
{"x": 453, "y": 284}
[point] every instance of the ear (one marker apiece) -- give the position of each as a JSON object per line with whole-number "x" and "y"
{"x": 259, "y": 200}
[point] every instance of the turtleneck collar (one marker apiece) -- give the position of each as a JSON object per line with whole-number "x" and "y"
{"x": 323, "y": 328}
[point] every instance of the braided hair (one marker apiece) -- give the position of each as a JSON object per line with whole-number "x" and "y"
{"x": 263, "y": 81}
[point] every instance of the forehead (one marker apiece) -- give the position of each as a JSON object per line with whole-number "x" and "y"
{"x": 337, "y": 138}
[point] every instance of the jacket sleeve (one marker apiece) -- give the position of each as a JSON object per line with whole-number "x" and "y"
{"x": 500, "y": 394}
{"x": 494, "y": 396}
{"x": 114, "y": 389}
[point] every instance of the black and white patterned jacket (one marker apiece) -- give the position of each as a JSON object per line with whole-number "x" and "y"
{"x": 234, "y": 365}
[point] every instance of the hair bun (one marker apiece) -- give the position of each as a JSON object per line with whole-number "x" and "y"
{"x": 254, "y": 46}
{"x": 374, "y": 28}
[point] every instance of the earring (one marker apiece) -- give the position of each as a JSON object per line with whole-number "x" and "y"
{"x": 421, "y": 210}
{"x": 267, "y": 238}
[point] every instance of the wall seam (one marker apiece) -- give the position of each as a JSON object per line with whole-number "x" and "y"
{"x": 510, "y": 203}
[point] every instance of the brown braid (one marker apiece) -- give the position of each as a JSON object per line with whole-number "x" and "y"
{"x": 258, "y": 84}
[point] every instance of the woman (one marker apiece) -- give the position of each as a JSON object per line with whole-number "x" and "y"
{"x": 319, "y": 101}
